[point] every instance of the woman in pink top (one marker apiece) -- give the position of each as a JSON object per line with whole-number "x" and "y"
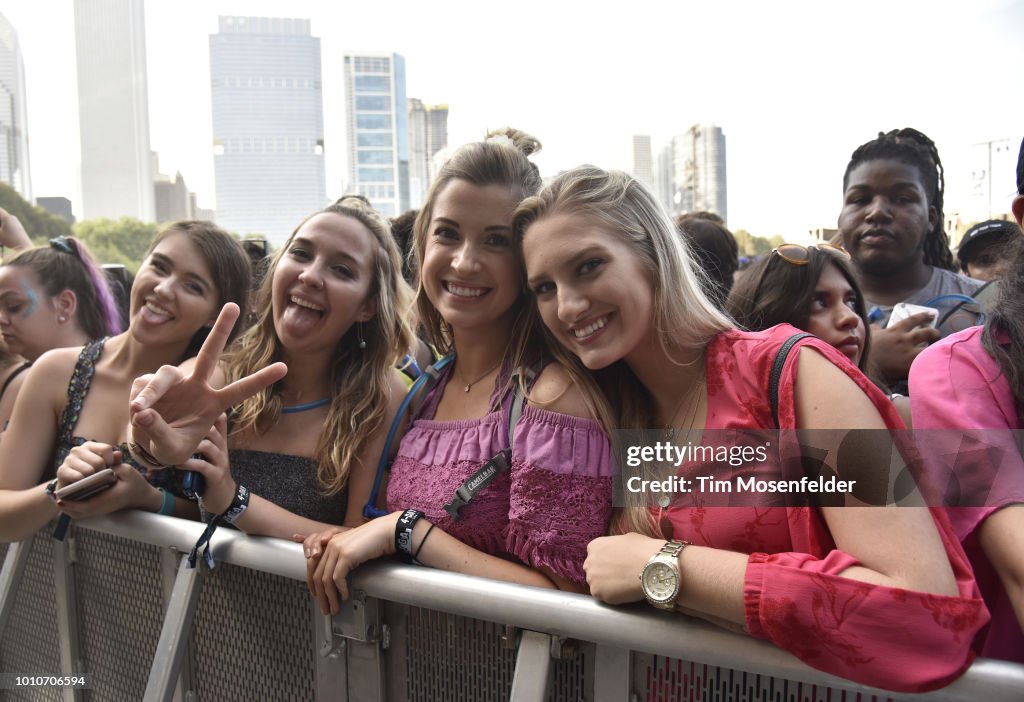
{"x": 878, "y": 595}
{"x": 973, "y": 382}
{"x": 530, "y": 523}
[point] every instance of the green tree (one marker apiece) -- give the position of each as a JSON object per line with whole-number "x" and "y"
{"x": 40, "y": 224}
{"x": 123, "y": 241}
{"x": 750, "y": 245}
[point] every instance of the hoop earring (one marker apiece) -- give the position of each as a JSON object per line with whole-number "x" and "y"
{"x": 359, "y": 335}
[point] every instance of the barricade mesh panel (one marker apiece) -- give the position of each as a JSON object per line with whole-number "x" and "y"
{"x": 661, "y": 679}
{"x": 458, "y": 659}
{"x": 115, "y": 576}
{"x": 30, "y": 644}
{"x": 252, "y": 638}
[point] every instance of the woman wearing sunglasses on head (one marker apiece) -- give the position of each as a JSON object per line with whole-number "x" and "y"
{"x": 812, "y": 288}
{"x": 840, "y": 582}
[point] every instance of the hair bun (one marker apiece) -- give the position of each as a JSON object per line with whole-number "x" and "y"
{"x": 527, "y": 144}
{"x": 355, "y": 201}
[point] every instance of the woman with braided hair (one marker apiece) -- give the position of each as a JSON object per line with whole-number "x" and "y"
{"x": 892, "y": 225}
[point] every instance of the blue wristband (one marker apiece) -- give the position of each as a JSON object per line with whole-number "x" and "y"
{"x": 167, "y": 508}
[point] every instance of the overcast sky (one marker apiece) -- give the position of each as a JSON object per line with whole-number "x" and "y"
{"x": 795, "y": 86}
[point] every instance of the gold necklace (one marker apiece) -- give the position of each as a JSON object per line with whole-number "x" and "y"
{"x": 490, "y": 370}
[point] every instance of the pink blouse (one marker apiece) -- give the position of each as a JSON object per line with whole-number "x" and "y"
{"x": 793, "y": 593}
{"x": 556, "y": 498}
{"x": 957, "y": 385}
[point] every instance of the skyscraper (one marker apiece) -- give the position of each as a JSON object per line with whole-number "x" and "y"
{"x": 377, "y": 130}
{"x": 643, "y": 169}
{"x": 14, "y": 168}
{"x": 699, "y": 170}
{"x": 428, "y": 134}
{"x": 113, "y": 109}
{"x": 268, "y": 125}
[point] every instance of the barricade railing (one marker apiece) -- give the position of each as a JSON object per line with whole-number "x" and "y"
{"x": 116, "y": 601}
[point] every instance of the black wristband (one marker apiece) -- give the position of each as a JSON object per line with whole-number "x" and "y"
{"x": 403, "y": 533}
{"x": 237, "y": 507}
{"x": 416, "y": 556}
{"x": 51, "y": 487}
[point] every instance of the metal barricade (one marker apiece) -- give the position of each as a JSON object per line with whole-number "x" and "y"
{"x": 116, "y": 602}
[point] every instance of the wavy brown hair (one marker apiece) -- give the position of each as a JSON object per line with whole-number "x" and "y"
{"x": 360, "y": 378}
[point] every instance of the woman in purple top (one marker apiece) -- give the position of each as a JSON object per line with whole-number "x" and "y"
{"x": 531, "y": 523}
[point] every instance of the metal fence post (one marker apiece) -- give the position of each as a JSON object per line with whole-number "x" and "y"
{"x": 175, "y": 634}
{"x": 10, "y": 576}
{"x": 532, "y": 678}
{"x": 67, "y": 610}
{"x": 613, "y": 674}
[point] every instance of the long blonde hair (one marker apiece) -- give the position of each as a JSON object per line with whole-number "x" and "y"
{"x": 360, "y": 378}
{"x": 683, "y": 316}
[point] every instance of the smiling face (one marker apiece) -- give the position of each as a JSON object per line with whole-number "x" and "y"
{"x": 28, "y": 316}
{"x": 471, "y": 272}
{"x": 833, "y": 317}
{"x": 886, "y": 217}
{"x": 173, "y": 294}
{"x": 592, "y": 290}
{"x": 321, "y": 284}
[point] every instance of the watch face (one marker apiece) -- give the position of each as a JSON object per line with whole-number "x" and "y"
{"x": 660, "y": 582}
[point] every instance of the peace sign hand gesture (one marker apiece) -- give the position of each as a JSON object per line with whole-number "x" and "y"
{"x": 170, "y": 412}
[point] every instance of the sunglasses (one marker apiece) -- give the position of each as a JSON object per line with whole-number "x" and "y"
{"x": 799, "y": 255}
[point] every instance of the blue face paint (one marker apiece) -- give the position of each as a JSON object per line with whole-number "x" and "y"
{"x": 33, "y": 299}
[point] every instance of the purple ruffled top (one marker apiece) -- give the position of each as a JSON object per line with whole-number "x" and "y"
{"x": 556, "y": 498}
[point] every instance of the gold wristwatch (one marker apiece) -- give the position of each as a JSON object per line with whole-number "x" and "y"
{"x": 660, "y": 577}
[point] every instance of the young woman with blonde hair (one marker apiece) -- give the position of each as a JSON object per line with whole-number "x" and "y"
{"x": 838, "y": 586}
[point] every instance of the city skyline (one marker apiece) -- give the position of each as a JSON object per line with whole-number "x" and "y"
{"x": 794, "y": 96}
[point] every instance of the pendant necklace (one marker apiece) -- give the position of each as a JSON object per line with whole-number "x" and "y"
{"x": 469, "y": 386}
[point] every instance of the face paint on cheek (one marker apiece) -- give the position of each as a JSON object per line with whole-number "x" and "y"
{"x": 33, "y": 300}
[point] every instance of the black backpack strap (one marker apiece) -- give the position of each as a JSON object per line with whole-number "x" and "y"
{"x": 776, "y": 376}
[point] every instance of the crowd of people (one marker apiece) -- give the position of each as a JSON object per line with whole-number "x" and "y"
{"x": 558, "y": 320}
